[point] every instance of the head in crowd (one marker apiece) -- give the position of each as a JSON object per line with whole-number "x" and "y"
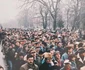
{"x": 33, "y": 52}
{"x": 60, "y": 44}
{"x": 52, "y": 50}
{"x": 69, "y": 50}
{"x": 67, "y": 65}
{"x": 72, "y": 57}
{"x": 57, "y": 55}
{"x": 80, "y": 45}
{"x": 1, "y": 68}
{"x": 41, "y": 54}
{"x": 21, "y": 56}
{"x": 30, "y": 59}
{"x": 81, "y": 53}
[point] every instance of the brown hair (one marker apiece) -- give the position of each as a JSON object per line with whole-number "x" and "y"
{"x": 71, "y": 56}
{"x": 1, "y": 67}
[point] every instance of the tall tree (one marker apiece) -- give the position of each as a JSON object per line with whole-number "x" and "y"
{"x": 73, "y": 14}
{"x": 51, "y": 6}
{"x": 44, "y": 16}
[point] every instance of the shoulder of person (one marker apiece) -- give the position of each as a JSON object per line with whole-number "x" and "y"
{"x": 64, "y": 54}
{"x": 21, "y": 68}
{"x": 62, "y": 68}
{"x": 36, "y": 65}
{"x": 24, "y": 65}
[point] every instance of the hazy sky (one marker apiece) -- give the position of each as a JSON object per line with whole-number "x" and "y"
{"x": 8, "y": 10}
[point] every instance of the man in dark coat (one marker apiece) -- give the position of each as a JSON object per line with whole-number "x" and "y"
{"x": 20, "y": 61}
{"x": 60, "y": 48}
{"x": 47, "y": 64}
{"x": 10, "y": 57}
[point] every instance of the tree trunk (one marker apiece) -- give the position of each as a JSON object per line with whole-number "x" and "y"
{"x": 54, "y": 25}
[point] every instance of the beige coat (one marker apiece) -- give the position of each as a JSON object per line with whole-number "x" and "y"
{"x": 27, "y": 66}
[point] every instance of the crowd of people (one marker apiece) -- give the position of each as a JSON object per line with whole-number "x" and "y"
{"x": 44, "y": 49}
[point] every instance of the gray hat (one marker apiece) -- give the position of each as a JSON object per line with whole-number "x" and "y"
{"x": 56, "y": 52}
{"x": 81, "y": 50}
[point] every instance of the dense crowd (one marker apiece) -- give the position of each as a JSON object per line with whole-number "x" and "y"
{"x": 43, "y": 49}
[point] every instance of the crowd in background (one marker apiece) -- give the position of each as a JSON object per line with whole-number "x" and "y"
{"x": 43, "y": 49}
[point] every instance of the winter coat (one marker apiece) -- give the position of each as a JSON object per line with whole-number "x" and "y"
{"x": 27, "y": 66}
{"x": 45, "y": 66}
{"x": 80, "y": 63}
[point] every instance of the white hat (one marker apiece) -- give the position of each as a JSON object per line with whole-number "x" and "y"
{"x": 67, "y": 61}
{"x": 77, "y": 43}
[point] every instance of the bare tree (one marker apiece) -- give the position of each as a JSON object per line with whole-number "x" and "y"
{"x": 82, "y": 14}
{"x": 51, "y": 6}
{"x": 73, "y": 14}
{"x": 44, "y": 16}
{"x": 76, "y": 14}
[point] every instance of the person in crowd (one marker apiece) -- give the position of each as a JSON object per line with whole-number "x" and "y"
{"x": 43, "y": 46}
{"x": 47, "y": 64}
{"x": 68, "y": 51}
{"x": 57, "y": 61}
{"x": 60, "y": 48}
{"x": 19, "y": 61}
{"x": 18, "y": 43}
{"x": 72, "y": 59}
{"x": 10, "y": 57}
{"x": 40, "y": 58}
{"x": 80, "y": 61}
{"x": 30, "y": 65}
{"x": 25, "y": 50}
{"x": 67, "y": 66}
{"x": 76, "y": 47}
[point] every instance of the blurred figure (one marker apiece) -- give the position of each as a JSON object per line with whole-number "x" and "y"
{"x": 1, "y": 68}
{"x": 47, "y": 64}
{"x": 57, "y": 61}
{"x": 19, "y": 61}
{"x": 72, "y": 59}
{"x": 67, "y": 66}
{"x": 69, "y": 51}
{"x": 10, "y": 57}
{"x": 80, "y": 61}
{"x": 60, "y": 48}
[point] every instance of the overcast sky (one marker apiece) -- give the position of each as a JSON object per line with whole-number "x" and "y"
{"x": 8, "y": 10}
